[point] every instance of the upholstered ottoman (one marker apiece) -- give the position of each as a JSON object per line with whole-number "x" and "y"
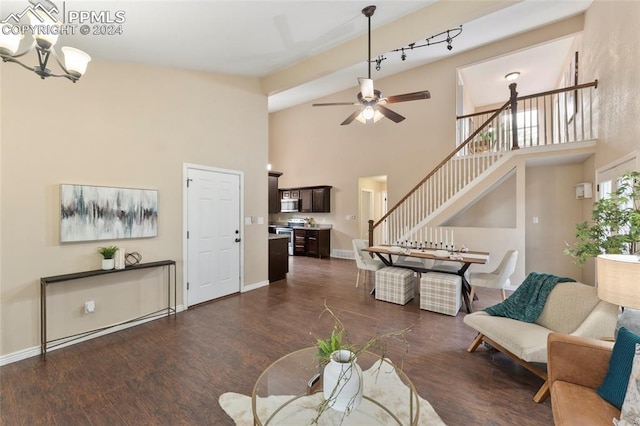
{"x": 440, "y": 292}
{"x": 395, "y": 285}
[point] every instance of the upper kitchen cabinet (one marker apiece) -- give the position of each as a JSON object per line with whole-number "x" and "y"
{"x": 316, "y": 199}
{"x": 274, "y": 194}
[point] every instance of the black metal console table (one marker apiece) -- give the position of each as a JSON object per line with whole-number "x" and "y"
{"x": 45, "y": 281}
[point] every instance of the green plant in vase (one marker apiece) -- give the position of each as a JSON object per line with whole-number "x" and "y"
{"x": 614, "y": 226}
{"x": 342, "y": 376}
{"x": 108, "y": 253}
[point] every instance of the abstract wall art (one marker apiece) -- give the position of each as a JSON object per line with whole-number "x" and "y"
{"x": 89, "y": 213}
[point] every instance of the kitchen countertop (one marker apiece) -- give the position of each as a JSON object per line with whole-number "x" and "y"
{"x": 318, "y": 226}
{"x": 277, "y": 236}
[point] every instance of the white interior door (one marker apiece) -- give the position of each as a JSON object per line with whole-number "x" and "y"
{"x": 213, "y": 229}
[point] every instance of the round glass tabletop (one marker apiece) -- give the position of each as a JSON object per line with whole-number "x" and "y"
{"x": 289, "y": 392}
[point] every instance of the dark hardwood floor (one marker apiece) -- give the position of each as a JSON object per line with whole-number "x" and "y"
{"x": 172, "y": 372}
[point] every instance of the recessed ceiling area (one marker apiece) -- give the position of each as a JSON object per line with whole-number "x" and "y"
{"x": 540, "y": 68}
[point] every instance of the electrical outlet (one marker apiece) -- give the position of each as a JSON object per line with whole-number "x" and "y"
{"x": 89, "y": 307}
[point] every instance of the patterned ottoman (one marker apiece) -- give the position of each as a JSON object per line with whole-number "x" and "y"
{"x": 395, "y": 285}
{"x": 440, "y": 292}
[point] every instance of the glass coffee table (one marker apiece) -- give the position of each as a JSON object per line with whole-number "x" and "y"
{"x": 289, "y": 392}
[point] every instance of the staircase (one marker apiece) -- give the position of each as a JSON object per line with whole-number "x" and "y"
{"x": 486, "y": 141}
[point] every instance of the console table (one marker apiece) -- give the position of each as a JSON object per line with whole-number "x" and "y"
{"x": 45, "y": 281}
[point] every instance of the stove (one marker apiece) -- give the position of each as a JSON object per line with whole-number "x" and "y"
{"x": 288, "y": 230}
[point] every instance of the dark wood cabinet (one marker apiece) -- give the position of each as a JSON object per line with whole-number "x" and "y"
{"x": 321, "y": 199}
{"x": 312, "y": 242}
{"x": 313, "y": 199}
{"x": 278, "y": 258}
{"x": 306, "y": 201}
{"x": 274, "y": 194}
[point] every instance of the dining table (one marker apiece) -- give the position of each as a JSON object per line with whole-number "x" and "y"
{"x": 464, "y": 258}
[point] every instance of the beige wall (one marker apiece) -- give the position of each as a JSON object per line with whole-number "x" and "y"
{"x": 125, "y": 126}
{"x": 551, "y": 198}
{"x": 611, "y": 55}
{"x": 495, "y": 209}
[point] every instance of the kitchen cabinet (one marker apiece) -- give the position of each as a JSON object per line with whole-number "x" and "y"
{"x": 311, "y": 242}
{"x": 313, "y": 199}
{"x": 278, "y": 257}
{"x": 274, "y": 194}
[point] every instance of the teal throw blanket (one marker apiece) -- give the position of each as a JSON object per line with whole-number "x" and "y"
{"x": 527, "y": 302}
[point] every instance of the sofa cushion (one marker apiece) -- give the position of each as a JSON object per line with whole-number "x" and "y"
{"x": 630, "y": 412}
{"x": 567, "y": 307}
{"x": 573, "y": 404}
{"x": 527, "y": 341}
{"x": 614, "y": 386}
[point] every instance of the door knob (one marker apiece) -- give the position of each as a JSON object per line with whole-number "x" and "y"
{"x": 237, "y": 240}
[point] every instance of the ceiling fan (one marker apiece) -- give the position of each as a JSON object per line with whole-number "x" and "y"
{"x": 370, "y": 100}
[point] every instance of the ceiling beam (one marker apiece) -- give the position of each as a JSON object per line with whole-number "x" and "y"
{"x": 435, "y": 18}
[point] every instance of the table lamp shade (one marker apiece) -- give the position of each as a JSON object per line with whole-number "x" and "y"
{"x": 619, "y": 279}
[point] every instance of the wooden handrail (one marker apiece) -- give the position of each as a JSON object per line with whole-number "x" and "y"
{"x": 443, "y": 162}
{"x": 593, "y": 84}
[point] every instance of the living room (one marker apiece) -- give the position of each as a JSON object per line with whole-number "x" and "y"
{"x": 133, "y": 125}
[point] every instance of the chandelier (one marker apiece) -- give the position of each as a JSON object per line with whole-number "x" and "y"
{"x": 45, "y": 31}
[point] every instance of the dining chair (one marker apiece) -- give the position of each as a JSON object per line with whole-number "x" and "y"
{"x": 364, "y": 261}
{"x": 498, "y": 278}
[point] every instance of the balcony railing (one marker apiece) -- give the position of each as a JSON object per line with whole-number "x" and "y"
{"x": 555, "y": 117}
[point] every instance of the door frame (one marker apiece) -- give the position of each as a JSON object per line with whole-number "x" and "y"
{"x": 185, "y": 216}
{"x": 372, "y": 211}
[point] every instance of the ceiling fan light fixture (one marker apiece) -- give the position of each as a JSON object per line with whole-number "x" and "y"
{"x": 368, "y": 112}
{"x": 512, "y": 76}
{"x": 376, "y": 117}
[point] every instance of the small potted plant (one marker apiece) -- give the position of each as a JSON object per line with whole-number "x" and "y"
{"x": 108, "y": 253}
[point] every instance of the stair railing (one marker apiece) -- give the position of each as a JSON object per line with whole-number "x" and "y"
{"x": 553, "y": 117}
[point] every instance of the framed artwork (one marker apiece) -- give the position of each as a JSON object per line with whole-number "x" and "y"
{"x": 90, "y": 213}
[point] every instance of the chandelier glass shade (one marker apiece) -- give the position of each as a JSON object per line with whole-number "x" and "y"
{"x": 45, "y": 33}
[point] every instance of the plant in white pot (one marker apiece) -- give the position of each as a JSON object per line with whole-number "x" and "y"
{"x": 615, "y": 223}
{"x": 108, "y": 253}
{"x": 342, "y": 377}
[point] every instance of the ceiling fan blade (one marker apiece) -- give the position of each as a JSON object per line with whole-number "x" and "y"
{"x": 366, "y": 88}
{"x": 391, "y": 115}
{"x": 415, "y": 96}
{"x": 336, "y": 103}
{"x": 350, "y": 118}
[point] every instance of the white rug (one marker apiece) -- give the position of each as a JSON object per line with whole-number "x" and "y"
{"x": 389, "y": 391}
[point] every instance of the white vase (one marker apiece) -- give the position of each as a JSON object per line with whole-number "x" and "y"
{"x": 108, "y": 264}
{"x": 342, "y": 382}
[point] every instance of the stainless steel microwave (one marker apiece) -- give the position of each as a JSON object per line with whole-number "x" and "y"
{"x": 288, "y": 205}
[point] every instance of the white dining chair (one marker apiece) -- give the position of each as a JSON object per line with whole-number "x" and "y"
{"x": 364, "y": 261}
{"x": 498, "y": 278}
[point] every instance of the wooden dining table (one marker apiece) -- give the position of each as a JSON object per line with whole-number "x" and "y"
{"x": 464, "y": 258}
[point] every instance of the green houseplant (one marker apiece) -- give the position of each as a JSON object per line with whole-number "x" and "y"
{"x": 108, "y": 254}
{"x": 614, "y": 226}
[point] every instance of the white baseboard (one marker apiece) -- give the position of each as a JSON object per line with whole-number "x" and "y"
{"x": 342, "y": 254}
{"x": 254, "y": 286}
{"x": 35, "y": 351}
